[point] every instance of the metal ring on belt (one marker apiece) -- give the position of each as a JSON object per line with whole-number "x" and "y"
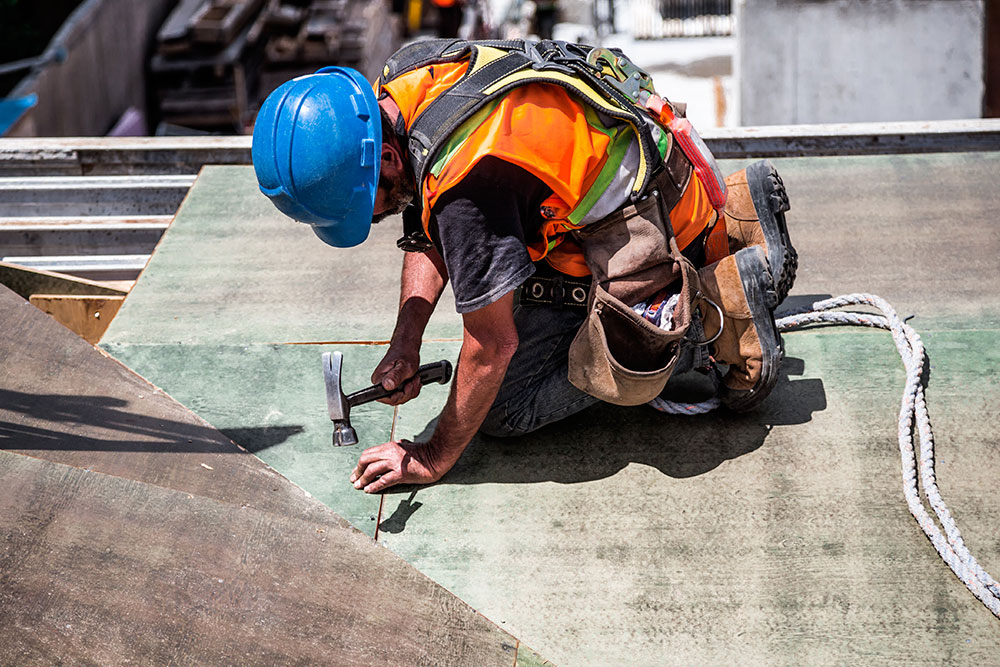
{"x": 722, "y": 325}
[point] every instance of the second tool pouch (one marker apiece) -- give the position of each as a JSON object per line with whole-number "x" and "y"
{"x": 617, "y": 355}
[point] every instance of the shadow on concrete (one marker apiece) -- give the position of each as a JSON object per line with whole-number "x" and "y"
{"x": 102, "y": 423}
{"x": 799, "y": 301}
{"x": 397, "y": 522}
{"x": 604, "y": 439}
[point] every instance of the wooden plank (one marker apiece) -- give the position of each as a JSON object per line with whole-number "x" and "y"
{"x": 92, "y": 195}
{"x": 63, "y": 400}
{"x": 86, "y": 316}
{"x": 119, "y": 155}
{"x": 175, "y": 29}
{"x": 104, "y": 570}
{"x": 24, "y": 282}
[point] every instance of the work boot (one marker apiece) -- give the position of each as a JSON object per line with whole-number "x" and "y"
{"x": 755, "y": 215}
{"x": 740, "y": 288}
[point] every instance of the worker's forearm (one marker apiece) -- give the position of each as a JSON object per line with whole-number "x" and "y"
{"x": 423, "y": 280}
{"x": 482, "y": 365}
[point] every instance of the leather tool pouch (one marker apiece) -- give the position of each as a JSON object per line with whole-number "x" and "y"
{"x": 618, "y": 356}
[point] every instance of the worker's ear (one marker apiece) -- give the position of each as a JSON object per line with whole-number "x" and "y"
{"x": 392, "y": 162}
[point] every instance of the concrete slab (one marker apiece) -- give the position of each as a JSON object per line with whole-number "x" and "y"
{"x": 626, "y": 536}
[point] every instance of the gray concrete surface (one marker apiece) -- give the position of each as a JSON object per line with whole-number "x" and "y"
{"x": 833, "y": 61}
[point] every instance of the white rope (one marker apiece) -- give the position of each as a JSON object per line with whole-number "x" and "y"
{"x": 913, "y": 408}
{"x": 675, "y": 408}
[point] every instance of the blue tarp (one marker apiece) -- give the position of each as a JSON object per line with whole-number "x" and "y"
{"x": 11, "y": 109}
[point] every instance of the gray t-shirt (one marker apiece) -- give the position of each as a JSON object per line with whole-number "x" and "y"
{"x": 480, "y": 225}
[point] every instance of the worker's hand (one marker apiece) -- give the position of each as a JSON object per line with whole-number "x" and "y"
{"x": 402, "y": 462}
{"x": 397, "y": 372}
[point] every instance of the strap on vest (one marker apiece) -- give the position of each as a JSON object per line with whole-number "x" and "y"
{"x": 446, "y": 113}
{"x": 430, "y": 51}
{"x": 547, "y": 58}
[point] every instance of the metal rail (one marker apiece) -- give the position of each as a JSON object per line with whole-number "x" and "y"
{"x": 186, "y": 155}
{"x": 944, "y": 136}
{"x": 80, "y": 205}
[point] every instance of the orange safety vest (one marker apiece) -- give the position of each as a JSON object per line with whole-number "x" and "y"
{"x": 545, "y": 130}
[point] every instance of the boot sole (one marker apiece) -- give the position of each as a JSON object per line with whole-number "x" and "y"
{"x": 771, "y": 201}
{"x": 760, "y": 293}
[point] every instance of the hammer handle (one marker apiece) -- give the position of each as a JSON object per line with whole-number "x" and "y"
{"x": 439, "y": 371}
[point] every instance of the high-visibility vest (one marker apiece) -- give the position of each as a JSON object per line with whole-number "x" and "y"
{"x": 460, "y": 102}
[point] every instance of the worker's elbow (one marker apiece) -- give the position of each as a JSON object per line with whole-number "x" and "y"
{"x": 495, "y": 349}
{"x": 507, "y": 346}
{"x": 501, "y": 346}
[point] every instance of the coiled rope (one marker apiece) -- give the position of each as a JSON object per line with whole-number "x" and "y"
{"x": 913, "y": 410}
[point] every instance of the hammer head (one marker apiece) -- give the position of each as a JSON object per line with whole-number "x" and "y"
{"x": 336, "y": 401}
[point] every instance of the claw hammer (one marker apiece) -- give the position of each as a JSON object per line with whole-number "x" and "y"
{"x": 339, "y": 404}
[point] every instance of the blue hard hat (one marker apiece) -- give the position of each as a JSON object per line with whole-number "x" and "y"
{"x": 317, "y": 143}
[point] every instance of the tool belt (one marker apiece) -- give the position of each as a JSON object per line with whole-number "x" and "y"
{"x": 617, "y": 355}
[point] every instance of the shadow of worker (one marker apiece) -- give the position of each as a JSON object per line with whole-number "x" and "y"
{"x": 604, "y": 439}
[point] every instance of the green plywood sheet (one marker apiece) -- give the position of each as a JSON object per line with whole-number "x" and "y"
{"x": 629, "y": 537}
{"x": 231, "y": 268}
{"x": 271, "y": 400}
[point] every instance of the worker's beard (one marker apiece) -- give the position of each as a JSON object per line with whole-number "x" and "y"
{"x": 399, "y": 194}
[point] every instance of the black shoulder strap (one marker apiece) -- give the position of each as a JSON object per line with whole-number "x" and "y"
{"x": 420, "y": 54}
{"x": 446, "y": 113}
{"x": 429, "y": 51}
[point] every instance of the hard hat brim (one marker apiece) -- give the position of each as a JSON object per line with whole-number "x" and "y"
{"x": 345, "y": 235}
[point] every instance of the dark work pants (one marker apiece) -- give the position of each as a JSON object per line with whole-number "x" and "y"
{"x": 536, "y": 390}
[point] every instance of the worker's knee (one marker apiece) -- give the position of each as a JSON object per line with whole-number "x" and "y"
{"x": 500, "y": 424}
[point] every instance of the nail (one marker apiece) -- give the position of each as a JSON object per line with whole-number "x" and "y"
{"x": 357, "y": 484}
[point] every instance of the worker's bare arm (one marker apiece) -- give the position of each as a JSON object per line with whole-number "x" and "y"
{"x": 423, "y": 280}
{"x": 489, "y": 342}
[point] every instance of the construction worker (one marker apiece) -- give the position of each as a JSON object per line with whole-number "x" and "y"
{"x": 530, "y": 175}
